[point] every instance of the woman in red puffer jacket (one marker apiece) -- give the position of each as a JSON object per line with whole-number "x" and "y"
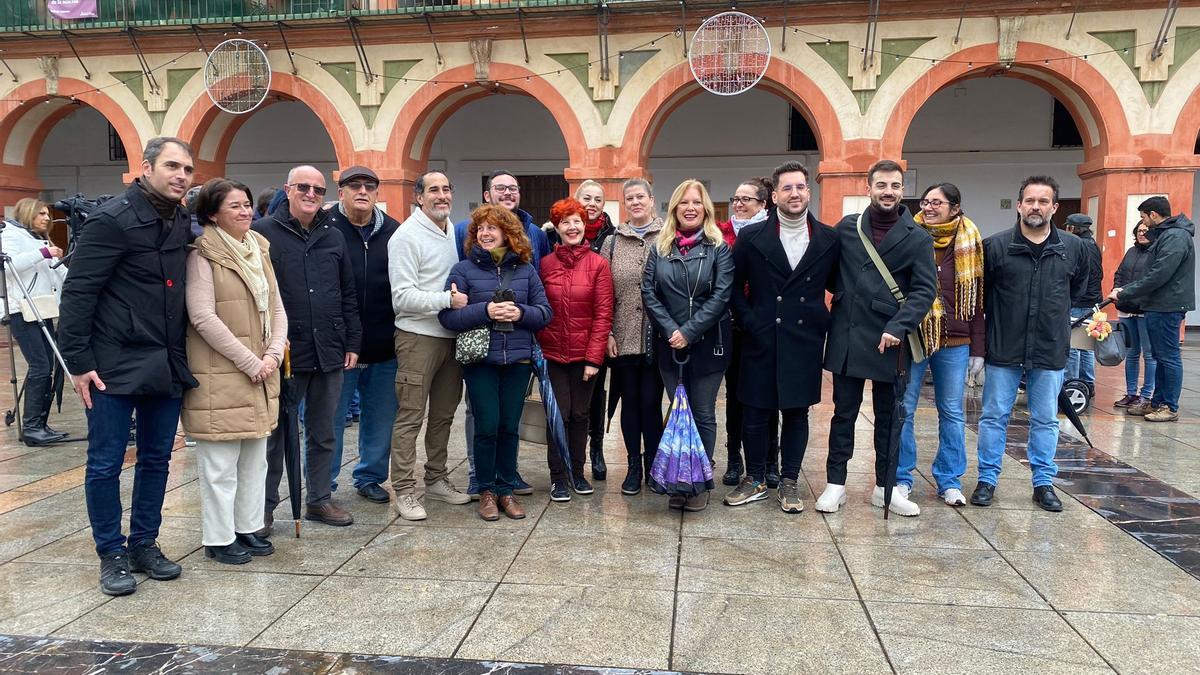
{"x": 580, "y": 291}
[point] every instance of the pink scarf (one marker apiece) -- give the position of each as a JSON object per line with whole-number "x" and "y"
{"x": 687, "y": 242}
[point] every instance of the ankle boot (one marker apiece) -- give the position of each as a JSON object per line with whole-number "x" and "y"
{"x": 633, "y": 480}
{"x": 599, "y": 468}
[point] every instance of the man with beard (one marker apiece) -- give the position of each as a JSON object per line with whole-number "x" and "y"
{"x": 1030, "y": 274}
{"x": 870, "y": 324}
{"x": 316, "y": 284}
{"x": 420, "y": 256}
{"x": 122, "y": 334}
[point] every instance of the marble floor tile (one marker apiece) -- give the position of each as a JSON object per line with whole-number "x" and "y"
{"x": 15, "y": 499}
{"x": 620, "y": 628}
{"x": 555, "y": 557}
{"x": 1140, "y": 643}
{"x": 939, "y": 576}
{"x": 759, "y": 521}
{"x": 938, "y": 526}
{"x": 1072, "y": 531}
{"x": 744, "y": 634}
{"x": 609, "y": 513}
{"x": 774, "y": 568}
{"x": 437, "y": 553}
{"x": 39, "y": 599}
{"x": 321, "y": 549}
{"x": 1139, "y": 582}
{"x": 441, "y": 514}
{"x": 415, "y": 617}
{"x": 201, "y": 606}
{"x": 940, "y": 638}
{"x": 12, "y": 481}
{"x": 177, "y": 537}
{"x": 22, "y": 532}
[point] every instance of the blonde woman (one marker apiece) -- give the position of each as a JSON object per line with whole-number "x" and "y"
{"x": 686, "y": 289}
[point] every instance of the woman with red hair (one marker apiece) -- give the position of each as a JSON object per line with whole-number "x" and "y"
{"x": 505, "y": 295}
{"x": 579, "y": 287}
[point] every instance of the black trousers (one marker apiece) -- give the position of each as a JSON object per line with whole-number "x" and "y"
{"x": 761, "y": 425}
{"x": 598, "y": 412}
{"x": 641, "y": 389}
{"x": 847, "y": 399}
{"x": 735, "y": 425}
{"x": 320, "y": 393}
{"x": 574, "y": 397}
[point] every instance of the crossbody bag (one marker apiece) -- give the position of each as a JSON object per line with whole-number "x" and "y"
{"x": 471, "y": 346}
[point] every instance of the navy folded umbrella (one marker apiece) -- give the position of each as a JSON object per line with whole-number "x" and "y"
{"x": 557, "y": 431}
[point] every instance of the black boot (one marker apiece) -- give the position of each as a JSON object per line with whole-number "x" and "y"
{"x": 47, "y": 404}
{"x": 773, "y": 461}
{"x": 647, "y": 464}
{"x": 633, "y": 480}
{"x": 599, "y": 468}
{"x": 33, "y": 421}
{"x": 734, "y": 468}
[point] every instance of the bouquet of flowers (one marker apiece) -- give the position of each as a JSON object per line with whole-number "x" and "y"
{"x": 1098, "y": 326}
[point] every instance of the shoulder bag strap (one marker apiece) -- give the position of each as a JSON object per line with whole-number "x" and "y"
{"x": 916, "y": 348}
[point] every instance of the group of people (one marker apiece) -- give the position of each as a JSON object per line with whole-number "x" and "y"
{"x": 159, "y": 320}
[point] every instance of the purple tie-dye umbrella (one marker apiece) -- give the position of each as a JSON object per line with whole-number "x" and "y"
{"x": 681, "y": 466}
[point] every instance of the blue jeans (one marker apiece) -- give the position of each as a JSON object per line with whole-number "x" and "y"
{"x": 108, "y": 433}
{"x": 1081, "y": 364}
{"x": 949, "y": 366}
{"x": 1163, "y": 328}
{"x": 1137, "y": 348}
{"x": 376, "y": 385}
{"x": 999, "y": 395}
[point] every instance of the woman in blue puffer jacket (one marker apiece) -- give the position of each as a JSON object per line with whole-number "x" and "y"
{"x": 504, "y": 294}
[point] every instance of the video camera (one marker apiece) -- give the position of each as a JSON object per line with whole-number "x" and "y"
{"x": 78, "y": 208}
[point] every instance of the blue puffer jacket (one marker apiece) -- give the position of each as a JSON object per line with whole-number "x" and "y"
{"x": 479, "y": 277}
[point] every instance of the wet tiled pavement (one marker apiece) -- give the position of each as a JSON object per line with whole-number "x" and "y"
{"x": 608, "y": 581}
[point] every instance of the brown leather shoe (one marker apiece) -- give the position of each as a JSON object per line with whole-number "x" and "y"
{"x": 512, "y": 507}
{"x": 328, "y": 513}
{"x": 487, "y": 506}
{"x": 268, "y": 525}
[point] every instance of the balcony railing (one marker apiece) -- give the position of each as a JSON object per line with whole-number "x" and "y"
{"x": 32, "y": 15}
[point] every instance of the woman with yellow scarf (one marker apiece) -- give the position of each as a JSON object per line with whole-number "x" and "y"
{"x": 954, "y": 341}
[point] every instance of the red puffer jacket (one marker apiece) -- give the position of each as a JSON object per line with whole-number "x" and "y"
{"x": 580, "y": 290}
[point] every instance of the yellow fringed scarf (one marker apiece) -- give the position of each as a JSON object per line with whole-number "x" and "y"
{"x": 968, "y": 276}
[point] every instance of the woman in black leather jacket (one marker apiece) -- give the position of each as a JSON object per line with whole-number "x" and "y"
{"x": 685, "y": 289}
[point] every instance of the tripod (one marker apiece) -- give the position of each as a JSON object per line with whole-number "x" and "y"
{"x": 6, "y": 265}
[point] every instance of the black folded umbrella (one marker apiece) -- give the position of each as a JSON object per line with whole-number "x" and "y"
{"x": 897, "y": 424}
{"x": 1065, "y": 407}
{"x": 289, "y": 422}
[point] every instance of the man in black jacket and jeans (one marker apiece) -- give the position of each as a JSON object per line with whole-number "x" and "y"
{"x": 1081, "y": 364}
{"x": 868, "y": 327}
{"x": 316, "y": 284}
{"x": 1167, "y": 291}
{"x": 367, "y": 230}
{"x": 1030, "y": 274}
{"x": 122, "y": 334}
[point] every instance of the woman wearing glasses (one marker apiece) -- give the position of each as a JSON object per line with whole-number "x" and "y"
{"x": 749, "y": 204}
{"x": 686, "y": 290}
{"x": 628, "y": 351}
{"x": 1137, "y": 342}
{"x": 953, "y": 332}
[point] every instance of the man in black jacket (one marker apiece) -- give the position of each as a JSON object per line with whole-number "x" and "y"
{"x": 316, "y": 284}
{"x": 1082, "y": 362}
{"x": 122, "y": 334}
{"x": 1166, "y": 292}
{"x": 367, "y": 230}
{"x": 867, "y": 334}
{"x": 1030, "y": 274}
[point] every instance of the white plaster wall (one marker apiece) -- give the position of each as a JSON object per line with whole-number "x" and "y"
{"x": 74, "y": 157}
{"x": 274, "y": 140}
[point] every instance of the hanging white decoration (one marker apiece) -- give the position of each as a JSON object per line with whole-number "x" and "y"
{"x": 729, "y": 53}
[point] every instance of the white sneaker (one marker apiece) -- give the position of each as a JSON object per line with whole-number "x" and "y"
{"x": 444, "y": 491}
{"x": 410, "y": 508}
{"x": 832, "y": 498}
{"x": 901, "y": 505}
{"x": 954, "y": 497}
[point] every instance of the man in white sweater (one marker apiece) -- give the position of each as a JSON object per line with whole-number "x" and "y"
{"x": 420, "y": 255}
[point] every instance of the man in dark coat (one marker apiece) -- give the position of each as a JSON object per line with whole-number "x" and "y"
{"x": 1167, "y": 291}
{"x": 867, "y": 336}
{"x": 367, "y": 230}
{"x": 122, "y": 334}
{"x": 783, "y": 265}
{"x": 1082, "y": 362}
{"x": 316, "y": 284}
{"x": 1030, "y": 274}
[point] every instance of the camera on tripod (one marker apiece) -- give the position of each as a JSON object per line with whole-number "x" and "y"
{"x": 77, "y": 209}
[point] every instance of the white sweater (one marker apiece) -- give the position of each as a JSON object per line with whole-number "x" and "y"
{"x": 26, "y": 253}
{"x": 420, "y": 255}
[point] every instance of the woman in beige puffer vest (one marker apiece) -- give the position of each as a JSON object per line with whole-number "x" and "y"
{"x": 235, "y": 346}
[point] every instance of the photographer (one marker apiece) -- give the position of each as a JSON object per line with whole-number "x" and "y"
{"x": 30, "y": 257}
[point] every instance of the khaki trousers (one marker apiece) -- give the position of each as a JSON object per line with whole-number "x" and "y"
{"x": 233, "y": 480}
{"x": 427, "y": 375}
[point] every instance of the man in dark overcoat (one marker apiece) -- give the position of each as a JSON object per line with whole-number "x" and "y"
{"x": 867, "y": 337}
{"x": 781, "y": 268}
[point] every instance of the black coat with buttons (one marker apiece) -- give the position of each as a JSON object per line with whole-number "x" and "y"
{"x": 122, "y": 308}
{"x": 863, "y": 308}
{"x": 782, "y": 314}
{"x": 316, "y": 284}
{"x": 369, "y": 261}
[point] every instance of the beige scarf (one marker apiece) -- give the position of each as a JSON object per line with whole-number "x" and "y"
{"x": 248, "y": 257}
{"x": 967, "y": 255}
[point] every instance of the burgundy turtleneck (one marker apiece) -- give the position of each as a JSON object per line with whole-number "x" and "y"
{"x": 882, "y": 222}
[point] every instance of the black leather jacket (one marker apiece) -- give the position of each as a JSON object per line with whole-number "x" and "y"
{"x": 691, "y": 294}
